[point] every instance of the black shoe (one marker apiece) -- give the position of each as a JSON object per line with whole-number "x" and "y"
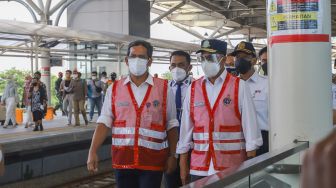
{"x": 41, "y": 127}
{"x": 86, "y": 122}
{"x": 36, "y": 128}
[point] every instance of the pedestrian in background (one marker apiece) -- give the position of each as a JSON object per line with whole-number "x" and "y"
{"x": 10, "y": 98}
{"x": 67, "y": 95}
{"x": 38, "y": 97}
{"x": 28, "y": 120}
{"x": 79, "y": 94}
{"x": 95, "y": 86}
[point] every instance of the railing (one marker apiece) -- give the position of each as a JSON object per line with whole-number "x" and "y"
{"x": 251, "y": 167}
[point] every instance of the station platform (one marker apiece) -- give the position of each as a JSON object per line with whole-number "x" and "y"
{"x": 32, "y": 155}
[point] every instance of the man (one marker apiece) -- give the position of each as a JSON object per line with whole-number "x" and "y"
{"x": 245, "y": 59}
{"x": 141, "y": 112}
{"x": 219, "y": 123}
{"x": 263, "y": 60}
{"x": 112, "y": 80}
{"x": 79, "y": 88}
{"x": 156, "y": 75}
{"x": 67, "y": 95}
{"x": 229, "y": 65}
{"x": 95, "y": 86}
{"x": 59, "y": 93}
{"x": 318, "y": 169}
{"x": 180, "y": 67}
{"x": 37, "y": 75}
{"x": 104, "y": 78}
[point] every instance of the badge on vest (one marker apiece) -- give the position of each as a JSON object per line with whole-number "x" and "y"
{"x": 156, "y": 103}
{"x": 198, "y": 104}
{"x": 122, "y": 103}
{"x": 148, "y": 105}
{"x": 227, "y": 100}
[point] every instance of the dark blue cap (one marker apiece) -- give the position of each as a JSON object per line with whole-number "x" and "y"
{"x": 245, "y": 47}
{"x": 213, "y": 46}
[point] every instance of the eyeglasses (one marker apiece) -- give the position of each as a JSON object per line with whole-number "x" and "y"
{"x": 209, "y": 58}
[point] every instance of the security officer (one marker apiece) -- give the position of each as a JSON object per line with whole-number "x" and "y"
{"x": 180, "y": 67}
{"x": 219, "y": 124}
{"x": 141, "y": 112}
{"x": 245, "y": 59}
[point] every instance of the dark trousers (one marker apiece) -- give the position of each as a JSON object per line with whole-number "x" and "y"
{"x": 95, "y": 102}
{"x": 133, "y": 178}
{"x": 265, "y": 147}
{"x": 173, "y": 180}
{"x": 195, "y": 178}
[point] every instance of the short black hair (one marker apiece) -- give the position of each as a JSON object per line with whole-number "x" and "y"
{"x": 38, "y": 73}
{"x": 262, "y": 51}
{"x": 143, "y": 43}
{"x": 181, "y": 53}
{"x": 68, "y": 71}
{"x": 94, "y": 72}
{"x": 103, "y": 73}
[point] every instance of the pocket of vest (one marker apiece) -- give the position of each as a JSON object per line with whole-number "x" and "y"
{"x": 230, "y": 128}
{"x": 198, "y": 129}
{"x": 157, "y": 127}
{"x": 119, "y": 123}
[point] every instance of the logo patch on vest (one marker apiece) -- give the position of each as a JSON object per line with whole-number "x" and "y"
{"x": 227, "y": 100}
{"x": 197, "y": 104}
{"x": 122, "y": 103}
{"x": 148, "y": 105}
{"x": 156, "y": 103}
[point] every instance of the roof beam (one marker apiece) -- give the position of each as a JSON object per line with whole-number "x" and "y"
{"x": 168, "y": 12}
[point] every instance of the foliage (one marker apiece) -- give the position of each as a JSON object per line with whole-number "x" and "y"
{"x": 19, "y": 77}
{"x": 167, "y": 75}
{"x": 54, "y": 100}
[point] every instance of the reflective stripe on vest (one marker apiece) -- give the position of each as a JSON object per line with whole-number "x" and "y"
{"x": 153, "y": 134}
{"x": 229, "y": 146}
{"x": 122, "y": 141}
{"x": 228, "y": 135}
{"x": 200, "y": 136}
{"x": 153, "y": 145}
{"x": 201, "y": 147}
{"x": 123, "y": 130}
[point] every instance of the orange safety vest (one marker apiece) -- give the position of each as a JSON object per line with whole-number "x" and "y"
{"x": 217, "y": 132}
{"x": 139, "y": 138}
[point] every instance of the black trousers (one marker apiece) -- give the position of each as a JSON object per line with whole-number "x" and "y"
{"x": 265, "y": 147}
{"x": 133, "y": 178}
{"x": 173, "y": 180}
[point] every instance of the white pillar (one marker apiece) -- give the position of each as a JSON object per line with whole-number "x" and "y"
{"x": 45, "y": 72}
{"x": 299, "y": 73}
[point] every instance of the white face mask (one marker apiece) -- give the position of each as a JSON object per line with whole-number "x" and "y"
{"x": 210, "y": 69}
{"x": 75, "y": 76}
{"x": 94, "y": 77}
{"x": 178, "y": 74}
{"x": 137, "y": 66}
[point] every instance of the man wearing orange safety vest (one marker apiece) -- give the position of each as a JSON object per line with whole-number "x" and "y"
{"x": 219, "y": 124}
{"x": 141, "y": 112}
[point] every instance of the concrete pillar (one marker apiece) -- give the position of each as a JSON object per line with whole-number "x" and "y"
{"x": 45, "y": 72}
{"x": 299, "y": 70}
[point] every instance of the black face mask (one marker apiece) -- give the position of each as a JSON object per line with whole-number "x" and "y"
{"x": 113, "y": 78}
{"x": 242, "y": 65}
{"x": 264, "y": 68}
{"x": 232, "y": 71}
{"x": 34, "y": 84}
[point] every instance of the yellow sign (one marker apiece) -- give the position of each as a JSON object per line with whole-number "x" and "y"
{"x": 295, "y": 16}
{"x": 273, "y": 7}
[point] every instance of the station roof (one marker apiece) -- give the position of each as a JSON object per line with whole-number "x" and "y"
{"x": 224, "y": 17}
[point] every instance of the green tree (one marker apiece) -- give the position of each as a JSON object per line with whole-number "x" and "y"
{"x": 167, "y": 75}
{"x": 19, "y": 77}
{"x": 54, "y": 100}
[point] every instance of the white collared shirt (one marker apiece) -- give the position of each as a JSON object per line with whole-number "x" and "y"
{"x": 106, "y": 117}
{"x": 185, "y": 84}
{"x": 259, "y": 90}
{"x": 246, "y": 107}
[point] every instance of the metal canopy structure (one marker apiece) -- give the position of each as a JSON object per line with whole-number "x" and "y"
{"x": 223, "y": 17}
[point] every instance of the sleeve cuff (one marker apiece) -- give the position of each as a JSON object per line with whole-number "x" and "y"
{"x": 253, "y": 145}
{"x": 181, "y": 149}
{"x": 172, "y": 123}
{"x": 106, "y": 120}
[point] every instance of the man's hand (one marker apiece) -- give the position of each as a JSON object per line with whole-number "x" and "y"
{"x": 318, "y": 169}
{"x": 184, "y": 169}
{"x": 171, "y": 165}
{"x": 251, "y": 154}
{"x": 92, "y": 162}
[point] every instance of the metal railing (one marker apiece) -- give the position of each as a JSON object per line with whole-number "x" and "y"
{"x": 230, "y": 176}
